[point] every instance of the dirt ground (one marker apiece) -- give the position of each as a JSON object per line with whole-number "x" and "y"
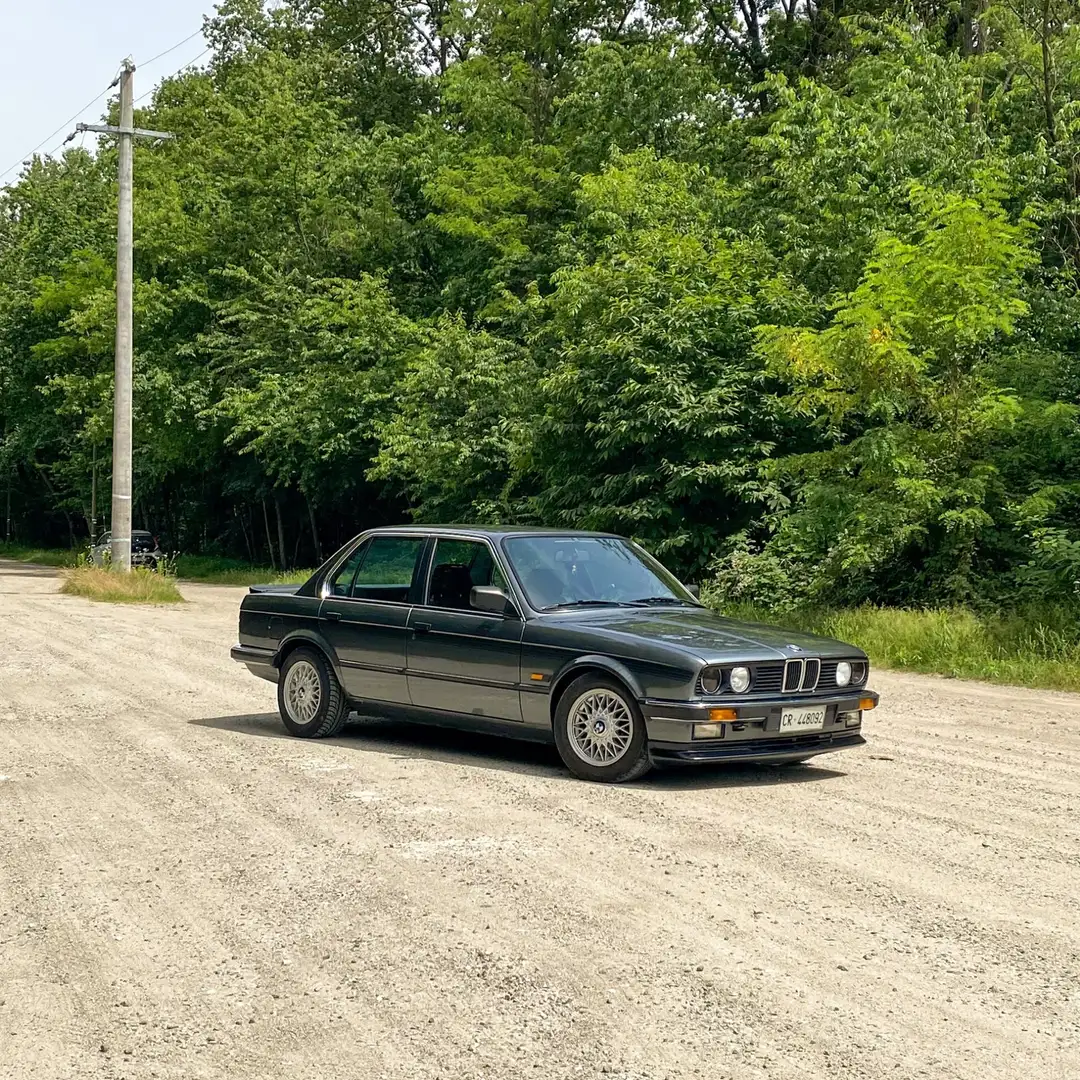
{"x": 185, "y": 892}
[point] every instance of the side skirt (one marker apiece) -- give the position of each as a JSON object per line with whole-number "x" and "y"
{"x": 509, "y": 729}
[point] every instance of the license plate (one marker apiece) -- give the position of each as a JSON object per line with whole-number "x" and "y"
{"x": 812, "y": 719}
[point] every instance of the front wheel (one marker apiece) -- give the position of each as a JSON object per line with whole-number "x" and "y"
{"x": 600, "y": 732}
{"x": 310, "y": 699}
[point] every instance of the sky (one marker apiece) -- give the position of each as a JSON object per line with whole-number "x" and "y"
{"x": 55, "y": 55}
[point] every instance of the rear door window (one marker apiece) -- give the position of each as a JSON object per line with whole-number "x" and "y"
{"x": 388, "y": 568}
{"x": 341, "y": 583}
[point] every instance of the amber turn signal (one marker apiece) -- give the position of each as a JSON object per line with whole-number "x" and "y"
{"x": 866, "y": 703}
{"x": 716, "y": 715}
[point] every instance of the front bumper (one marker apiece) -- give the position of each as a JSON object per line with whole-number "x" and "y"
{"x": 754, "y": 734}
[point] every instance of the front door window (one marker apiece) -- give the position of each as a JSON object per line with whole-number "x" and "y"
{"x": 458, "y": 565}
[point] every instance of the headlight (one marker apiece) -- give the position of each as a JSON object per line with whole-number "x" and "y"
{"x": 711, "y": 678}
{"x": 740, "y": 679}
{"x": 843, "y": 673}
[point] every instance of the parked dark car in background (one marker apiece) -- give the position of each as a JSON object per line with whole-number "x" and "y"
{"x": 145, "y": 550}
{"x": 581, "y": 638}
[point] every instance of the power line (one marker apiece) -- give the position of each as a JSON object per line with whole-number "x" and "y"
{"x": 153, "y": 89}
{"x": 67, "y": 123}
{"x": 171, "y": 48}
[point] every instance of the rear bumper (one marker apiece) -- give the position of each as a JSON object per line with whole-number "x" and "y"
{"x": 784, "y": 748}
{"x": 258, "y": 661}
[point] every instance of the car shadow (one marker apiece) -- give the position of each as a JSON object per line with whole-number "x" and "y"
{"x": 403, "y": 740}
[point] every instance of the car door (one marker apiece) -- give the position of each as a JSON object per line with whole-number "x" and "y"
{"x": 365, "y": 612}
{"x": 459, "y": 659}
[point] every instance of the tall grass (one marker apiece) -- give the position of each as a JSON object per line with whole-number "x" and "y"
{"x": 137, "y": 587}
{"x": 1028, "y": 648}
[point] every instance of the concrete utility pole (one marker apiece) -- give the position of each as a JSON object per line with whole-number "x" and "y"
{"x": 121, "y": 475}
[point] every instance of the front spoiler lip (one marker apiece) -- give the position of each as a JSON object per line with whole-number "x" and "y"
{"x": 744, "y": 751}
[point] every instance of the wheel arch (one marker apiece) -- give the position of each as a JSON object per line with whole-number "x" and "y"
{"x": 600, "y": 665}
{"x": 299, "y": 638}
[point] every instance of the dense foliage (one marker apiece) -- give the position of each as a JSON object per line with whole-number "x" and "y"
{"x": 787, "y": 289}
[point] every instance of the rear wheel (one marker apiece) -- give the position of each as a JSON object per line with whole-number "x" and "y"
{"x": 600, "y": 731}
{"x": 310, "y": 699}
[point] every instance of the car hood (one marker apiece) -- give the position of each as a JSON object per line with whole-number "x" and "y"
{"x": 708, "y": 635}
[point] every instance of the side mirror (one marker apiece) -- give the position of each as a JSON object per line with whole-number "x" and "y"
{"x": 694, "y": 591}
{"x": 491, "y": 598}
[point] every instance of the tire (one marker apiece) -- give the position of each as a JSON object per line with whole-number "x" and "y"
{"x": 621, "y": 732}
{"x": 305, "y": 670}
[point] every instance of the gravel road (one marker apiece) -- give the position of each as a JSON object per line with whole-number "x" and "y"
{"x": 186, "y": 893}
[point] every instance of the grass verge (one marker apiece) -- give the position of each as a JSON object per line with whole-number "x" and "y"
{"x": 209, "y": 569}
{"x": 110, "y": 586}
{"x": 216, "y": 571}
{"x": 1034, "y": 649}
{"x": 44, "y": 556}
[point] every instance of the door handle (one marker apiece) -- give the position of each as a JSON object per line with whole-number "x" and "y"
{"x": 421, "y": 627}
{"x": 333, "y": 616}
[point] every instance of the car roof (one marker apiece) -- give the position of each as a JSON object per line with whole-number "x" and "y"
{"x": 489, "y": 530}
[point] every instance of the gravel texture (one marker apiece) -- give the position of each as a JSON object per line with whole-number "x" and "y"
{"x": 186, "y": 893}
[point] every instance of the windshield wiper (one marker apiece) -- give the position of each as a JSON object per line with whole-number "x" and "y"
{"x": 659, "y": 600}
{"x": 589, "y": 603}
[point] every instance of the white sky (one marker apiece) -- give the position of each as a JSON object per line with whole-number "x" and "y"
{"x": 55, "y": 55}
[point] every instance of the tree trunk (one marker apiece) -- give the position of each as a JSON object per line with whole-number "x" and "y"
{"x": 52, "y": 495}
{"x": 314, "y": 533}
{"x": 239, "y": 512}
{"x": 269, "y": 539}
{"x": 1047, "y": 72}
{"x": 280, "y": 528}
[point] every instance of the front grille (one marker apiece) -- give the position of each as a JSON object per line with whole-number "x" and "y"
{"x": 766, "y": 678}
{"x": 809, "y": 676}
{"x": 793, "y": 673}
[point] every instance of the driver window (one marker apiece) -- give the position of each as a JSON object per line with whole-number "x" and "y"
{"x": 458, "y": 565}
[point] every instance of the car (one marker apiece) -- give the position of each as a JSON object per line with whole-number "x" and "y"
{"x": 580, "y": 638}
{"x": 145, "y": 550}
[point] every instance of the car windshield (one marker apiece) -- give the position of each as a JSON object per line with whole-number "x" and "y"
{"x": 564, "y": 571}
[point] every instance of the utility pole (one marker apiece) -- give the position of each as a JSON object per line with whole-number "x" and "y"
{"x": 126, "y": 133}
{"x": 93, "y": 497}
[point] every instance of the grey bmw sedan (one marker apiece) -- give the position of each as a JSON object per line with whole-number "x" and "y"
{"x": 579, "y": 638}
